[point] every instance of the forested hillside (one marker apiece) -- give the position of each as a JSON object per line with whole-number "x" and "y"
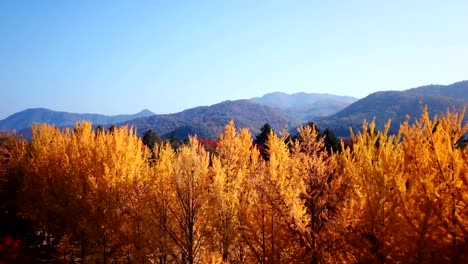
{"x": 102, "y": 196}
{"x": 209, "y": 121}
{"x": 397, "y": 106}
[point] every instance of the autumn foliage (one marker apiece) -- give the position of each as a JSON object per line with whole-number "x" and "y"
{"x": 104, "y": 197}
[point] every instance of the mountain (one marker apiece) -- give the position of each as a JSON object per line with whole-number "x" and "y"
{"x": 305, "y": 106}
{"x": 396, "y": 105}
{"x": 456, "y": 90}
{"x": 209, "y": 121}
{"x": 282, "y": 111}
{"x": 25, "y": 119}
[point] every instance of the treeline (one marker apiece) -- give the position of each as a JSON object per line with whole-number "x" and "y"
{"x": 104, "y": 197}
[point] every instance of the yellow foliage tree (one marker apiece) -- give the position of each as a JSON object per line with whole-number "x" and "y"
{"x": 323, "y": 192}
{"x": 390, "y": 198}
{"x": 182, "y": 214}
{"x": 434, "y": 188}
{"x": 77, "y": 184}
{"x": 408, "y": 198}
{"x": 268, "y": 220}
{"x": 229, "y": 169}
{"x": 160, "y": 201}
{"x": 370, "y": 214}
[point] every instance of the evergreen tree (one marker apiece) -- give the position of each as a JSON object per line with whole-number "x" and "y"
{"x": 331, "y": 142}
{"x": 150, "y": 138}
{"x": 175, "y": 141}
{"x": 99, "y": 129}
{"x": 262, "y": 138}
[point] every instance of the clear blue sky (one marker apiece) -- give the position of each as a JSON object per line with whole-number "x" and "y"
{"x": 114, "y": 57}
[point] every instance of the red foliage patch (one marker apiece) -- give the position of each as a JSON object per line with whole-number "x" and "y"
{"x": 208, "y": 143}
{"x": 10, "y": 250}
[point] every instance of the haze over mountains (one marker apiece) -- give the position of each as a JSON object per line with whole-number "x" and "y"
{"x": 305, "y": 106}
{"x": 281, "y": 110}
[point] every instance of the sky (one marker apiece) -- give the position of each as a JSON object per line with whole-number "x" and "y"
{"x": 116, "y": 57}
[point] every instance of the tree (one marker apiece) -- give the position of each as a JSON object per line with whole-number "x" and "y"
{"x": 83, "y": 186}
{"x": 99, "y": 129}
{"x": 408, "y": 197}
{"x": 118, "y": 186}
{"x": 262, "y": 138}
{"x": 331, "y": 141}
{"x": 273, "y": 207}
{"x": 370, "y": 213}
{"x": 12, "y": 225}
{"x": 160, "y": 202}
{"x": 150, "y": 139}
{"x": 46, "y": 194}
{"x": 229, "y": 168}
{"x": 434, "y": 187}
{"x": 98, "y": 195}
{"x": 181, "y": 214}
{"x": 324, "y": 191}
{"x": 112, "y": 128}
{"x": 175, "y": 142}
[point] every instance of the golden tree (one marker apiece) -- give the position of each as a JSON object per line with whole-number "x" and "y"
{"x": 181, "y": 215}
{"x": 391, "y": 198}
{"x": 229, "y": 168}
{"x": 274, "y": 206}
{"x": 79, "y": 184}
{"x": 160, "y": 201}
{"x": 434, "y": 188}
{"x": 323, "y": 192}
{"x": 46, "y": 197}
{"x": 370, "y": 213}
{"x": 408, "y": 198}
{"x": 118, "y": 187}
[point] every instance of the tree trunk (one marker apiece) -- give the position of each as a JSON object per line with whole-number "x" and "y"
{"x": 83, "y": 243}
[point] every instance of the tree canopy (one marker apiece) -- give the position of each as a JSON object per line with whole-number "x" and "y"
{"x": 98, "y": 197}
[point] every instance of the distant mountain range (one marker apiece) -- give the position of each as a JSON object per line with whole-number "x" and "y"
{"x": 209, "y": 121}
{"x": 26, "y": 118}
{"x": 396, "y": 105}
{"x": 281, "y": 111}
{"x": 306, "y": 106}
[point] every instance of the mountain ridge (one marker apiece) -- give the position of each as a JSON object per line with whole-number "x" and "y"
{"x": 397, "y": 105}
{"x": 26, "y": 118}
{"x": 209, "y": 121}
{"x": 281, "y": 110}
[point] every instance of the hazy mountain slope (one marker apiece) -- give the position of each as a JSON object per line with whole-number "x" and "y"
{"x": 396, "y": 105}
{"x": 209, "y": 121}
{"x": 310, "y": 112}
{"x": 305, "y": 106}
{"x": 28, "y": 117}
{"x": 283, "y": 100}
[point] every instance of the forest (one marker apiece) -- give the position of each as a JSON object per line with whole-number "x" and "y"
{"x": 93, "y": 196}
